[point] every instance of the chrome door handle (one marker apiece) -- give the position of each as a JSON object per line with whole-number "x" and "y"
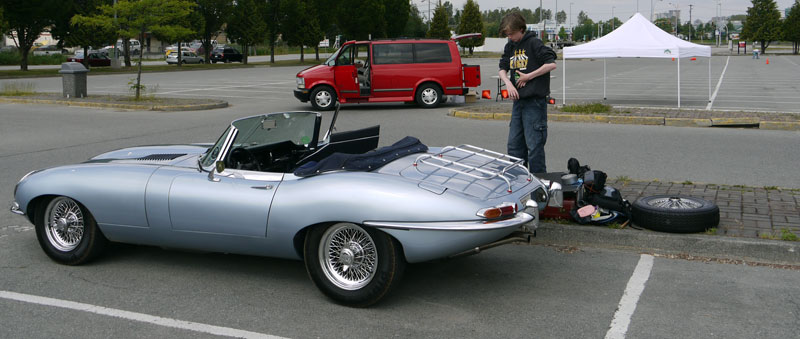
{"x": 267, "y": 187}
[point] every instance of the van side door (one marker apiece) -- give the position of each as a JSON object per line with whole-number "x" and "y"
{"x": 345, "y": 74}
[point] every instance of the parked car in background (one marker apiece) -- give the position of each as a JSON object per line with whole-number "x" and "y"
{"x": 135, "y": 46}
{"x": 95, "y": 59}
{"x": 186, "y": 58}
{"x": 422, "y": 70}
{"x": 49, "y": 50}
{"x": 226, "y": 54}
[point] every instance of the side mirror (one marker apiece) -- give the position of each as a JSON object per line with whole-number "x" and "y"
{"x": 219, "y": 166}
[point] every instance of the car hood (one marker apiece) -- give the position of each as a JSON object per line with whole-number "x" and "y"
{"x": 175, "y": 155}
{"x": 311, "y": 70}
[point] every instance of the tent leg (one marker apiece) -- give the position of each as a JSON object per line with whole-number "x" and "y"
{"x": 604, "y": 78}
{"x": 679, "y": 81}
{"x": 564, "y": 82}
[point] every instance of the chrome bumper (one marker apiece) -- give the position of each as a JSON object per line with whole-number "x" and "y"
{"x": 519, "y": 219}
{"x": 15, "y": 208}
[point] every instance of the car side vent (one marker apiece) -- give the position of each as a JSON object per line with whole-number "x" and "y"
{"x": 161, "y": 157}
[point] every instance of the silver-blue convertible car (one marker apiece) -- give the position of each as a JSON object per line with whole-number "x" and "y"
{"x": 273, "y": 186}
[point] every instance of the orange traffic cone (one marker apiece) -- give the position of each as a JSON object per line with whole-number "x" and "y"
{"x": 693, "y": 59}
{"x": 767, "y": 61}
{"x": 673, "y": 59}
{"x": 504, "y": 93}
{"x": 486, "y": 94}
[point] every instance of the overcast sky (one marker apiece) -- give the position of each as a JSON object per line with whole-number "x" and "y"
{"x": 623, "y": 9}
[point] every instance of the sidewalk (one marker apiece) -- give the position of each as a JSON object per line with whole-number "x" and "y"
{"x": 749, "y": 212}
{"x": 664, "y": 116}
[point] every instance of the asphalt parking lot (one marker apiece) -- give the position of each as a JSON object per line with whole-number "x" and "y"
{"x": 511, "y": 291}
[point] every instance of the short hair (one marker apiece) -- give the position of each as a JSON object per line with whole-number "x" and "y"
{"x": 513, "y": 21}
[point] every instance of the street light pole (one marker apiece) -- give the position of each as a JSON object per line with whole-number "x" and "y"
{"x": 570, "y": 22}
{"x": 613, "y": 22}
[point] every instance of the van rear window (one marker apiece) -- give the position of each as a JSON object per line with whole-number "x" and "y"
{"x": 392, "y": 54}
{"x": 430, "y": 53}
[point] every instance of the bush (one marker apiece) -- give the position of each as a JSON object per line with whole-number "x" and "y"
{"x": 13, "y": 58}
{"x": 586, "y": 108}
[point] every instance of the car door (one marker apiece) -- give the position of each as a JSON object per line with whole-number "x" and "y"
{"x": 345, "y": 74}
{"x": 235, "y": 202}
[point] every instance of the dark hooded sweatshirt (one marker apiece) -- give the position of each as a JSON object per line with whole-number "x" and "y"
{"x": 528, "y": 55}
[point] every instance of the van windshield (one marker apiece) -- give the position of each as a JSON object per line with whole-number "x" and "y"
{"x": 331, "y": 61}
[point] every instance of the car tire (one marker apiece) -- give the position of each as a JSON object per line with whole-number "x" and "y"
{"x": 183, "y": 62}
{"x": 354, "y": 265}
{"x": 215, "y": 61}
{"x": 67, "y": 232}
{"x": 201, "y": 61}
{"x": 323, "y": 98}
{"x": 429, "y": 96}
{"x": 675, "y": 214}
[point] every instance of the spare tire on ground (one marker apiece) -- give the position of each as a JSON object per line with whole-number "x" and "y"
{"x": 675, "y": 214}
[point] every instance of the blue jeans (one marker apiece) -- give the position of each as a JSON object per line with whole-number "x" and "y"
{"x": 527, "y": 132}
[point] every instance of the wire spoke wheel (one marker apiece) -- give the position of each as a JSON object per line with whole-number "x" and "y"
{"x": 64, "y": 224}
{"x": 348, "y": 256}
{"x": 675, "y": 203}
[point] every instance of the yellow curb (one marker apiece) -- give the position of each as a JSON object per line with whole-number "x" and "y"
{"x": 118, "y": 106}
{"x": 780, "y": 125}
{"x": 629, "y": 120}
{"x": 734, "y": 121}
{"x": 687, "y": 122}
{"x": 578, "y": 118}
{"x": 502, "y": 116}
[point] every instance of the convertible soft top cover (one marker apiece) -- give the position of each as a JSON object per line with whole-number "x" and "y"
{"x": 363, "y": 162}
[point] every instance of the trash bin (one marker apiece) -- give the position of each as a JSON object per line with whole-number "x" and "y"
{"x": 73, "y": 77}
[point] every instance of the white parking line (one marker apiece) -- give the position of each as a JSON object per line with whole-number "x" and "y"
{"x": 141, "y": 317}
{"x": 622, "y": 318}
{"x": 711, "y": 102}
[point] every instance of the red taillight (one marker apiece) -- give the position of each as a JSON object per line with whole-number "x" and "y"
{"x": 498, "y": 211}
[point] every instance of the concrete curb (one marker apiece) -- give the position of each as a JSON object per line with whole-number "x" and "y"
{"x": 642, "y": 120}
{"x": 141, "y": 107}
{"x": 712, "y": 246}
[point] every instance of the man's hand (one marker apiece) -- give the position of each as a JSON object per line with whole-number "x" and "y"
{"x": 512, "y": 91}
{"x": 522, "y": 79}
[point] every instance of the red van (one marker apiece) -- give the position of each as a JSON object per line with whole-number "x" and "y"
{"x": 388, "y": 71}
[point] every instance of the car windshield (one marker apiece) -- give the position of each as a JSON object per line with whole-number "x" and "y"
{"x": 299, "y": 128}
{"x": 331, "y": 61}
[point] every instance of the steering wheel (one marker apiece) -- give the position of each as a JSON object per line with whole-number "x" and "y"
{"x": 242, "y": 158}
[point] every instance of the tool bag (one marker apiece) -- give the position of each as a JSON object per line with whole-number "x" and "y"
{"x": 608, "y": 204}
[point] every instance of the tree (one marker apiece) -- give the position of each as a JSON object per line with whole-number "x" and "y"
{"x": 213, "y": 14}
{"x": 272, "y": 16}
{"x": 791, "y": 27}
{"x": 26, "y": 20}
{"x": 665, "y": 24}
{"x": 471, "y": 22}
{"x": 359, "y": 19}
{"x": 439, "y": 28}
{"x": 415, "y": 26}
{"x": 562, "y": 33}
{"x": 561, "y": 17}
{"x": 140, "y": 16}
{"x": 300, "y": 26}
{"x": 326, "y": 21}
{"x": 396, "y": 16}
{"x": 70, "y": 35}
{"x": 763, "y": 23}
{"x": 183, "y": 30}
{"x": 448, "y": 8}
{"x": 246, "y": 26}
{"x": 582, "y": 18}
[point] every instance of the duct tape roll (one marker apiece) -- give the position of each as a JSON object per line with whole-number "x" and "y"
{"x": 569, "y": 179}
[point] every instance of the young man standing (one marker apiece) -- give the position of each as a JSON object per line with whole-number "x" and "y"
{"x": 525, "y": 69}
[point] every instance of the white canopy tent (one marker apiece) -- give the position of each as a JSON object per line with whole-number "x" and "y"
{"x": 637, "y": 38}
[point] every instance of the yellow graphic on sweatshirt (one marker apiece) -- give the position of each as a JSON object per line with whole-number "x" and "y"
{"x": 519, "y": 60}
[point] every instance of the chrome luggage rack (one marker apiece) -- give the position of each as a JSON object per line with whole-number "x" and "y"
{"x": 479, "y": 171}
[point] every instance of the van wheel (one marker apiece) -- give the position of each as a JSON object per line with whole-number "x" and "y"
{"x": 429, "y": 96}
{"x": 323, "y": 98}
